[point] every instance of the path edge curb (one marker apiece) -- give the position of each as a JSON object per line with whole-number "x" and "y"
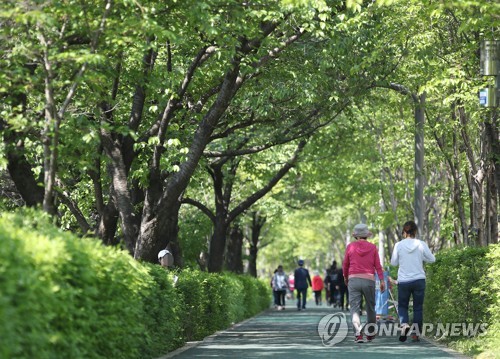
{"x": 211, "y": 337}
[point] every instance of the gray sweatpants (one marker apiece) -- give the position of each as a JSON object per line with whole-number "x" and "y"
{"x": 361, "y": 287}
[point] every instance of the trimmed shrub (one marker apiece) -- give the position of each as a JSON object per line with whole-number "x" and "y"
{"x": 455, "y": 290}
{"x": 163, "y": 311}
{"x": 492, "y": 282}
{"x": 69, "y": 297}
{"x": 257, "y": 295}
{"x": 235, "y": 297}
{"x": 192, "y": 294}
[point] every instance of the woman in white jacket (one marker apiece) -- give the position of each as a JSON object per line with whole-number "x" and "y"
{"x": 410, "y": 254}
{"x": 280, "y": 286}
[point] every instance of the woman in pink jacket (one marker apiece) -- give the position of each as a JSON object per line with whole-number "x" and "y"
{"x": 361, "y": 261}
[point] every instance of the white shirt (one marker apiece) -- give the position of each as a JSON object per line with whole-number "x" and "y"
{"x": 409, "y": 254}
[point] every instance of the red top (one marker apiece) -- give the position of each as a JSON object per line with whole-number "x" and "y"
{"x": 361, "y": 260}
{"x": 317, "y": 283}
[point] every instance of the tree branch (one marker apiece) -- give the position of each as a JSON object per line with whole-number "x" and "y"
{"x": 65, "y": 198}
{"x": 282, "y": 140}
{"x": 200, "y": 206}
{"x": 272, "y": 54}
{"x": 83, "y": 68}
{"x": 249, "y": 201}
{"x": 202, "y": 55}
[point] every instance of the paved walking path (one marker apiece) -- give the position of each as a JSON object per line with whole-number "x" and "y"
{"x": 294, "y": 334}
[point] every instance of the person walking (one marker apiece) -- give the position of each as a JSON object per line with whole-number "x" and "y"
{"x": 302, "y": 282}
{"x": 280, "y": 285}
{"x": 342, "y": 289}
{"x": 326, "y": 282}
{"x": 333, "y": 284}
{"x": 274, "y": 292}
{"x": 291, "y": 282}
{"x": 361, "y": 261}
{"x": 410, "y": 254}
{"x": 317, "y": 287}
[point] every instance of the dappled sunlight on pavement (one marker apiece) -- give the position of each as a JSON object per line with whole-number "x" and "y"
{"x": 294, "y": 334}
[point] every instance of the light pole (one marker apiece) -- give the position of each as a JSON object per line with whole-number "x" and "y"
{"x": 490, "y": 66}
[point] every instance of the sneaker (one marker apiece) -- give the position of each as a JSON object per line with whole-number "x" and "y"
{"x": 414, "y": 338}
{"x": 369, "y": 338}
{"x": 358, "y": 339}
{"x": 405, "y": 328}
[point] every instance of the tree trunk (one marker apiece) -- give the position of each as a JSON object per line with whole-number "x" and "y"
{"x": 476, "y": 178}
{"x": 108, "y": 224}
{"x": 234, "y": 257}
{"x": 217, "y": 243}
{"x": 492, "y": 180}
{"x": 456, "y": 187}
{"x": 120, "y": 191}
{"x": 17, "y": 165}
{"x": 157, "y": 231}
{"x": 256, "y": 227}
{"x": 419, "y": 164}
{"x": 457, "y": 193}
{"x": 21, "y": 173}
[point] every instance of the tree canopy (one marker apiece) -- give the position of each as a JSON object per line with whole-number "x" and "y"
{"x": 219, "y": 127}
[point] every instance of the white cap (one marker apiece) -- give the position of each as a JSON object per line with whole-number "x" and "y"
{"x": 162, "y": 253}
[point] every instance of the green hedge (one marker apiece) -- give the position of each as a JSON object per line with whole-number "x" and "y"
{"x": 462, "y": 287}
{"x": 68, "y": 297}
{"x": 492, "y": 282}
{"x": 455, "y": 290}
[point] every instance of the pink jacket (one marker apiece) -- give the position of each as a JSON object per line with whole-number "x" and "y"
{"x": 361, "y": 260}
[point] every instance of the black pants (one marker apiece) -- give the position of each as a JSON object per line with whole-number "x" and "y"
{"x": 279, "y": 297}
{"x": 333, "y": 295}
{"x": 317, "y": 296}
{"x": 344, "y": 293}
{"x": 301, "y": 298}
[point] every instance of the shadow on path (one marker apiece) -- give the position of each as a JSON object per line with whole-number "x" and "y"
{"x": 294, "y": 334}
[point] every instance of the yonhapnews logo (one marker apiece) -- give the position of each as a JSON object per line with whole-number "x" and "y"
{"x": 333, "y": 328}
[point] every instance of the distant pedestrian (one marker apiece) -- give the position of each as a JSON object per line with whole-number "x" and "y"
{"x": 302, "y": 282}
{"x": 317, "y": 287}
{"x": 274, "y": 292}
{"x": 409, "y": 254}
{"x": 165, "y": 258}
{"x": 343, "y": 292}
{"x": 333, "y": 284}
{"x": 326, "y": 282}
{"x": 291, "y": 282}
{"x": 280, "y": 286}
{"x": 361, "y": 261}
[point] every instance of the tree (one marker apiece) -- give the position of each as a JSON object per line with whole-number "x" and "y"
{"x": 205, "y": 69}
{"x": 223, "y": 216}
